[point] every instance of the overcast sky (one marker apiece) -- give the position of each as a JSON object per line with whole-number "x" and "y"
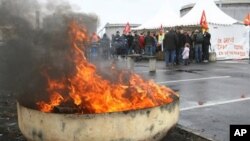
{"x": 122, "y": 11}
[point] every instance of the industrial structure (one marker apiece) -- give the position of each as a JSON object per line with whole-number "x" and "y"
{"x": 112, "y": 28}
{"x": 237, "y": 9}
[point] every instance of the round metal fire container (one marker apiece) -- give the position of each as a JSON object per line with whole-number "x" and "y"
{"x": 150, "y": 124}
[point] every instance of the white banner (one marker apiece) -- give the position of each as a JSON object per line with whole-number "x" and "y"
{"x": 230, "y": 42}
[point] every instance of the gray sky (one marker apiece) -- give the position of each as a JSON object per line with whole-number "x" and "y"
{"x": 122, "y": 11}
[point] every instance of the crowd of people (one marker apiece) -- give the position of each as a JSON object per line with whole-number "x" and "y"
{"x": 179, "y": 46}
{"x": 188, "y": 46}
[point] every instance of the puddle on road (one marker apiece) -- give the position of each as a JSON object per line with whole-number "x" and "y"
{"x": 190, "y": 70}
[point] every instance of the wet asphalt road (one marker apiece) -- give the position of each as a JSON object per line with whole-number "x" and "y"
{"x": 212, "y": 95}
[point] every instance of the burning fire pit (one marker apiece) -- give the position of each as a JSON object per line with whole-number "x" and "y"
{"x": 150, "y": 124}
{"x": 83, "y": 106}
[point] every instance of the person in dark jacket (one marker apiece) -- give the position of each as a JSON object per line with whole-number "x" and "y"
{"x": 198, "y": 41}
{"x": 105, "y": 46}
{"x": 149, "y": 43}
{"x": 130, "y": 40}
{"x": 136, "y": 44}
{"x": 170, "y": 43}
{"x": 116, "y": 44}
{"x": 206, "y": 44}
{"x": 189, "y": 40}
{"x": 123, "y": 49}
{"x": 180, "y": 47}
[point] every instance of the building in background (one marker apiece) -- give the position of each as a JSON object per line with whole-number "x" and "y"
{"x": 110, "y": 29}
{"x": 237, "y": 9}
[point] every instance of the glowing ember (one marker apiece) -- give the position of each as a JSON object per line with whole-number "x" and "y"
{"x": 90, "y": 93}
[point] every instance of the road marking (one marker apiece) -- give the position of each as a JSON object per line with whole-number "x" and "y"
{"x": 215, "y": 104}
{"x": 196, "y": 79}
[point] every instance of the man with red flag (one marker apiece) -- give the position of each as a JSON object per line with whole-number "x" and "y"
{"x": 207, "y": 36}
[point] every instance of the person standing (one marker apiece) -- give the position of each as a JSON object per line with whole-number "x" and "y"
{"x": 149, "y": 42}
{"x": 160, "y": 38}
{"x": 189, "y": 40}
{"x": 123, "y": 45}
{"x": 155, "y": 43}
{"x": 185, "y": 54}
{"x": 142, "y": 43}
{"x": 180, "y": 47}
{"x": 206, "y": 44}
{"x": 135, "y": 43}
{"x": 130, "y": 40}
{"x": 94, "y": 45}
{"x": 198, "y": 41}
{"x": 105, "y": 45}
{"x": 116, "y": 44}
{"x": 170, "y": 43}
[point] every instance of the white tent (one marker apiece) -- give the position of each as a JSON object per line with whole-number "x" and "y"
{"x": 213, "y": 14}
{"x": 166, "y": 17}
{"x": 229, "y": 38}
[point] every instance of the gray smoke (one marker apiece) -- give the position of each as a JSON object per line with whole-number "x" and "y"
{"x": 27, "y": 51}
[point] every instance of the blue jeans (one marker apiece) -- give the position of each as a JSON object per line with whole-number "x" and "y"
{"x": 149, "y": 50}
{"x": 153, "y": 50}
{"x": 93, "y": 51}
{"x": 169, "y": 56}
{"x": 198, "y": 53}
{"x": 178, "y": 58}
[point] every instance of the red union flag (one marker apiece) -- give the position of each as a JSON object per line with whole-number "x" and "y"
{"x": 247, "y": 20}
{"x": 203, "y": 21}
{"x": 127, "y": 29}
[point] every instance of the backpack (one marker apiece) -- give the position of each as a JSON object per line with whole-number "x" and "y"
{"x": 199, "y": 38}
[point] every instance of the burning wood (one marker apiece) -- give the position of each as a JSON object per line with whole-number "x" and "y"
{"x": 91, "y": 92}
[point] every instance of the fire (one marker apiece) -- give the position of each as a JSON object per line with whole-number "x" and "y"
{"x": 91, "y": 93}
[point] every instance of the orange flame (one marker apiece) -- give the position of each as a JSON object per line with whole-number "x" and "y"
{"x": 93, "y": 94}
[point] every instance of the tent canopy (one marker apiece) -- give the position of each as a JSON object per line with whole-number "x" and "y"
{"x": 166, "y": 17}
{"x": 213, "y": 14}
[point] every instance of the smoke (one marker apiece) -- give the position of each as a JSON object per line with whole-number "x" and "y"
{"x": 30, "y": 48}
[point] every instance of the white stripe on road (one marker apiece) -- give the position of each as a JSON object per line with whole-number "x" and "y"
{"x": 196, "y": 79}
{"x": 215, "y": 104}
